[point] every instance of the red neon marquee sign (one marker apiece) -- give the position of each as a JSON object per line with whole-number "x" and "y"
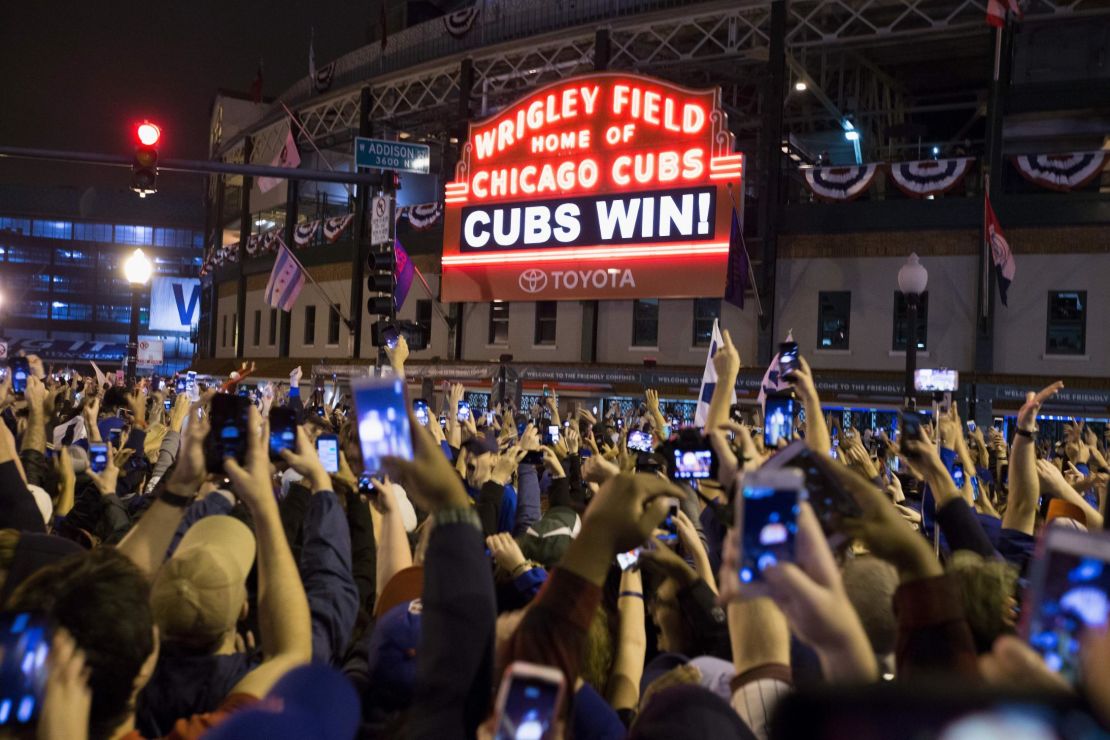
{"x": 609, "y": 185}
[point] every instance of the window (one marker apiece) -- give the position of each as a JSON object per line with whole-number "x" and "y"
{"x": 173, "y": 237}
{"x": 424, "y": 319}
{"x": 234, "y": 328}
{"x": 93, "y": 232}
{"x": 18, "y": 225}
{"x": 223, "y": 332}
{"x": 1067, "y": 323}
{"x": 31, "y": 309}
{"x": 310, "y": 325}
{"x": 66, "y": 256}
{"x": 499, "y": 322}
{"x": 29, "y": 255}
{"x": 52, "y": 229}
{"x": 273, "y": 326}
{"x": 133, "y": 234}
{"x": 706, "y": 311}
{"x": 257, "y": 328}
{"x": 901, "y": 321}
{"x": 70, "y": 311}
{"x": 833, "y": 314}
{"x": 645, "y": 322}
{"x": 333, "y": 326}
{"x": 114, "y": 313}
{"x": 546, "y": 313}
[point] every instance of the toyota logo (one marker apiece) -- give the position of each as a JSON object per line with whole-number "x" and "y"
{"x": 532, "y": 281}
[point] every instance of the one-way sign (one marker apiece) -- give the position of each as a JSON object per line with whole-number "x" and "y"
{"x": 392, "y": 155}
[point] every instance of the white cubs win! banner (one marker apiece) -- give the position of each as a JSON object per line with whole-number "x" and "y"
{"x": 174, "y": 303}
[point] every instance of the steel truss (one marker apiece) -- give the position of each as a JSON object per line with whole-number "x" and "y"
{"x": 712, "y": 43}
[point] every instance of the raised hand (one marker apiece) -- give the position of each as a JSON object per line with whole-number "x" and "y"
{"x": 505, "y": 551}
{"x": 307, "y": 462}
{"x": 1027, "y": 415}
{"x": 429, "y": 477}
{"x": 251, "y": 481}
{"x": 105, "y": 481}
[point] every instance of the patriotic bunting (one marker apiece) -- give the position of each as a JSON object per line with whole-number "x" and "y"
{"x": 334, "y": 227}
{"x": 321, "y": 80}
{"x": 421, "y": 216}
{"x": 460, "y": 22}
{"x": 927, "y": 177}
{"x": 304, "y": 232}
{"x": 270, "y": 240}
{"x": 1062, "y": 172}
{"x": 253, "y": 243}
{"x": 840, "y": 183}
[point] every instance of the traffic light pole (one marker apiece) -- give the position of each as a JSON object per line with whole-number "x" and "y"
{"x": 358, "y": 254}
{"x": 196, "y": 166}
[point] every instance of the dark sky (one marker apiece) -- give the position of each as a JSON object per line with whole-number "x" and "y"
{"x": 76, "y": 75}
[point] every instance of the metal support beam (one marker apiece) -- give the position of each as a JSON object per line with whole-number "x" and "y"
{"x": 217, "y": 242}
{"x": 357, "y": 251}
{"x": 770, "y": 171}
{"x": 285, "y": 317}
{"x": 996, "y": 107}
{"x": 244, "y": 237}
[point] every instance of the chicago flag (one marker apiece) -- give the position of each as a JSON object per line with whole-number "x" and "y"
{"x": 286, "y": 280}
{"x": 709, "y": 379}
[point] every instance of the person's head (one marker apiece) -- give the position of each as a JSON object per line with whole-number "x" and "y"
{"x": 666, "y": 614}
{"x": 199, "y": 595}
{"x": 114, "y": 399}
{"x": 870, "y": 584}
{"x": 103, "y": 600}
{"x": 987, "y": 589}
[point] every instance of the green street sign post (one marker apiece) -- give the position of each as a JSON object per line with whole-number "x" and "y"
{"x": 392, "y": 155}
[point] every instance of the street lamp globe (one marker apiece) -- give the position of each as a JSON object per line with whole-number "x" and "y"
{"x": 138, "y": 268}
{"x": 913, "y": 278}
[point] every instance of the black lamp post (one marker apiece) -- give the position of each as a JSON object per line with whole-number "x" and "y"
{"x": 137, "y": 269}
{"x": 913, "y": 278}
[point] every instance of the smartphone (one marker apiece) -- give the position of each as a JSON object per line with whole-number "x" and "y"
{"x": 179, "y": 385}
{"x": 940, "y": 380}
{"x": 443, "y": 421}
{"x": 21, "y": 370}
{"x": 830, "y": 500}
{"x": 25, "y": 639}
{"x": 489, "y": 418}
{"x": 669, "y": 526}
{"x": 778, "y": 419}
{"x": 528, "y": 701}
{"x": 639, "y": 441}
{"x": 244, "y": 391}
{"x": 970, "y": 426}
{"x": 98, "y": 456}
{"x": 114, "y": 436}
{"x": 327, "y": 447}
{"x": 227, "y": 435}
{"x": 191, "y": 385}
{"x": 391, "y": 336}
{"x": 283, "y": 431}
{"x": 694, "y": 463}
{"x": 383, "y": 421}
{"x": 767, "y": 520}
{"x": 552, "y": 435}
{"x": 532, "y": 457}
{"x": 168, "y": 403}
{"x": 788, "y": 358}
{"x": 420, "y": 411}
{"x": 463, "y": 413}
{"x": 628, "y": 559}
{"x": 911, "y": 424}
{"x": 1069, "y": 592}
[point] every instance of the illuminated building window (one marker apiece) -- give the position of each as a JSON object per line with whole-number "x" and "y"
{"x": 499, "y": 322}
{"x": 310, "y": 325}
{"x": 133, "y": 234}
{"x": 901, "y": 321}
{"x": 52, "y": 229}
{"x": 546, "y": 313}
{"x": 645, "y": 322}
{"x": 833, "y": 318}
{"x": 1067, "y": 323}
{"x": 706, "y": 311}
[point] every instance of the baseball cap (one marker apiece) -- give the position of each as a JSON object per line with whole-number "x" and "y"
{"x": 311, "y": 702}
{"x": 405, "y": 585}
{"x": 199, "y": 592}
{"x": 391, "y": 656}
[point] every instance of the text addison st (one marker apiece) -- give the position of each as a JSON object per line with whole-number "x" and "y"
{"x": 609, "y": 174}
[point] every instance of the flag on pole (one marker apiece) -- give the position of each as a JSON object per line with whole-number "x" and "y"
{"x": 288, "y": 156}
{"x": 736, "y": 275}
{"x": 287, "y": 279}
{"x": 311, "y": 59}
{"x": 1003, "y": 258}
{"x": 773, "y": 382}
{"x": 996, "y": 12}
{"x": 403, "y": 271}
{"x": 709, "y": 379}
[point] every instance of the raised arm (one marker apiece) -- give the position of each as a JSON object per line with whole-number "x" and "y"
{"x": 727, "y": 363}
{"x": 1025, "y": 486}
{"x": 817, "y": 432}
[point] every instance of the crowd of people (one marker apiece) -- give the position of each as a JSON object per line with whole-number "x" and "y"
{"x": 503, "y": 570}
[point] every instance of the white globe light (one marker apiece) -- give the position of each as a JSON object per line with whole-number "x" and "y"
{"x": 138, "y": 268}
{"x": 913, "y": 278}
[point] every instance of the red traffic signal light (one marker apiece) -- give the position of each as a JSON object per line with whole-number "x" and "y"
{"x": 148, "y": 134}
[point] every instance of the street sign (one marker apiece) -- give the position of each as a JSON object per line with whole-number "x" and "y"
{"x": 392, "y": 155}
{"x": 150, "y": 353}
{"x": 379, "y": 220}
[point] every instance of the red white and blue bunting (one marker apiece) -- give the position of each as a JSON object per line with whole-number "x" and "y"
{"x": 422, "y": 216}
{"x": 323, "y": 78}
{"x": 334, "y": 227}
{"x": 304, "y": 232}
{"x": 926, "y": 177}
{"x": 460, "y": 22}
{"x": 1063, "y": 172}
{"x": 836, "y": 184}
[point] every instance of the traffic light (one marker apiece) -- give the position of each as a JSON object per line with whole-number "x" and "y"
{"x": 380, "y": 280}
{"x": 144, "y": 165}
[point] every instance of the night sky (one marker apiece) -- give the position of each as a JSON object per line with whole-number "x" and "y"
{"x": 76, "y": 75}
